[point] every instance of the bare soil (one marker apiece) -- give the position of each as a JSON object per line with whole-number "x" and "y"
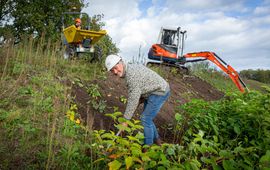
{"x": 183, "y": 89}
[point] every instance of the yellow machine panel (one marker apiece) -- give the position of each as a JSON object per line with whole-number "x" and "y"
{"x": 74, "y": 35}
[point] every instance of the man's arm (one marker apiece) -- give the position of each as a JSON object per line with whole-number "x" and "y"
{"x": 132, "y": 103}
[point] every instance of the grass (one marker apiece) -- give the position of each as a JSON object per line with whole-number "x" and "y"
{"x": 220, "y": 80}
{"x": 34, "y": 98}
{"x": 217, "y": 79}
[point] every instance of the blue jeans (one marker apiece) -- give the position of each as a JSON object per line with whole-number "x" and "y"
{"x": 151, "y": 108}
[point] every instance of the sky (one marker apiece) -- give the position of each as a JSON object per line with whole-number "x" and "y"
{"x": 238, "y": 31}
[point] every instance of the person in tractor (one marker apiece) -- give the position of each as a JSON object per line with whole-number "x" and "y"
{"x": 78, "y": 23}
{"x": 144, "y": 85}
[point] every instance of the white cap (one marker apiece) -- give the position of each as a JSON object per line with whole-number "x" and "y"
{"x": 111, "y": 61}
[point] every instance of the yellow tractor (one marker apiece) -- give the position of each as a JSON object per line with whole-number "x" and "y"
{"x": 79, "y": 40}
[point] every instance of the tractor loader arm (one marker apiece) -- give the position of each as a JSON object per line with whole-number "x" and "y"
{"x": 232, "y": 73}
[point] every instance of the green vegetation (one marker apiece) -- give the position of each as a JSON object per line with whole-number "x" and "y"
{"x": 34, "y": 17}
{"x": 220, "y": 80}
{"x": 38, "y": 119}
{"x": 228, "y": 134}
{"x": 258, "y": 75}
{"x": 212, "y": 76}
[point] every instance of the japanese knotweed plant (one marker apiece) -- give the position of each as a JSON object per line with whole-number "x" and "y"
{"x": 96, "y": 102}
{"x": 238, "y": 126}
{"x": 125, "y": 151}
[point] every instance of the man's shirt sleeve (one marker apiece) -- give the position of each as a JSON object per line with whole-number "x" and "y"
{"x": 132, "y": 102}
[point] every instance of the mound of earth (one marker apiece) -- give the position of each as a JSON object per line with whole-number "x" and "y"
{"x": 183, "y": 89}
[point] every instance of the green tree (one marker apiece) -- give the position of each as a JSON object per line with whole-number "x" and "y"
{"x": 32, "y": 17}
{"x": 106, "y": 43}
{"x": 36, "y": 17}
{"x": 258, "y": 75}
{"x": 4, "y": 9}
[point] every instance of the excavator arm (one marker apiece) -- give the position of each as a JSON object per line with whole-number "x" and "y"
{"x": 211, "y": 56}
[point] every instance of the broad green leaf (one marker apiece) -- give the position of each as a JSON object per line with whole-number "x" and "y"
{"x": 215, "y": 166}
{"x": 117, "y": 114}
{"x": 138, "y": 127}
{"x": 101, "y": 159}
{"x": 139, "y": 135}
{"x": 110, "y": 115}
{"x": 135, "y": 159}
{"x": 225, "y": 154}
{"x": 124, "y": 128}
{"x": 107, "y": 135}
{"x": 145, "y": 158}
{"x": 201, "y": 133}
{"x": 129, "y": 162}
{"x": 155, "y": 147}
{"x": 238, "y": 149}
{"x": 187, "y": 165}
{"x": 161, "y": 168}
{"x": 212, "y": 150}
{"x": 136, "y": 145}
{"x": 265, "y": 157}
{"x": 133, "y": 138}
{"x": 114, "y": 165}
{"x": 129, "y": 123}
{"x": 178, "y": 117}
{"x": 215, "y": 139}
{"x": 152, "y": 164}
{"x": 136, "y": 121}
{"x": 206, "y": 160}
{"x": 121, "y": 120}
{"x": 236, "y": 129}
{"x": 123, "y": 142}
{"x": 195, "y": 163}
{"x": 215, "y": 128}
{"x": 265, "y": 160}
{"x": 136, "y": 151}
{"x": 170, "y": 151}
{"x": 228, "y": 164}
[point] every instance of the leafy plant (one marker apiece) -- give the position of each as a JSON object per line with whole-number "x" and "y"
{"x": 99, "y": 105}
{"x": 93, "y": 91}
{"x": 96, "y": 102}
{"x": 236, "y": 128}
{"x": 123, "y": 99}
{"x": 72, "y": 114}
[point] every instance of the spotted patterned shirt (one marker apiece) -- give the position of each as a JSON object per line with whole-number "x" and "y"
{"x": 141, "y": 82}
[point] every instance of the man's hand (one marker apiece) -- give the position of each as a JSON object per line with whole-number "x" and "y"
{"x": 125, "y": 124}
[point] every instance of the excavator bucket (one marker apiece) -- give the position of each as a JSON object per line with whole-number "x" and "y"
{"x": 74, "y": 35}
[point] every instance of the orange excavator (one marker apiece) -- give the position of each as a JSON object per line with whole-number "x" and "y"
{"x": 169, "y": 51}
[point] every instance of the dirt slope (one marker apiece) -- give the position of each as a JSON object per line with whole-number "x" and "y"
{"x": 183, "y": 89}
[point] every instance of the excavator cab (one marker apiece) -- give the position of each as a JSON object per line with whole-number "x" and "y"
{"x": 169, "y": 51}
{"x": 169, "y": 47}
{"x": 168, "y": 37}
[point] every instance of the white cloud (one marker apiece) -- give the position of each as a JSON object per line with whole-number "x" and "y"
{"x": 262, "y": 10}
{"x": 115, "y": 9}
{"x": 216, "y": 25}
{"x": 206, "y": 5}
